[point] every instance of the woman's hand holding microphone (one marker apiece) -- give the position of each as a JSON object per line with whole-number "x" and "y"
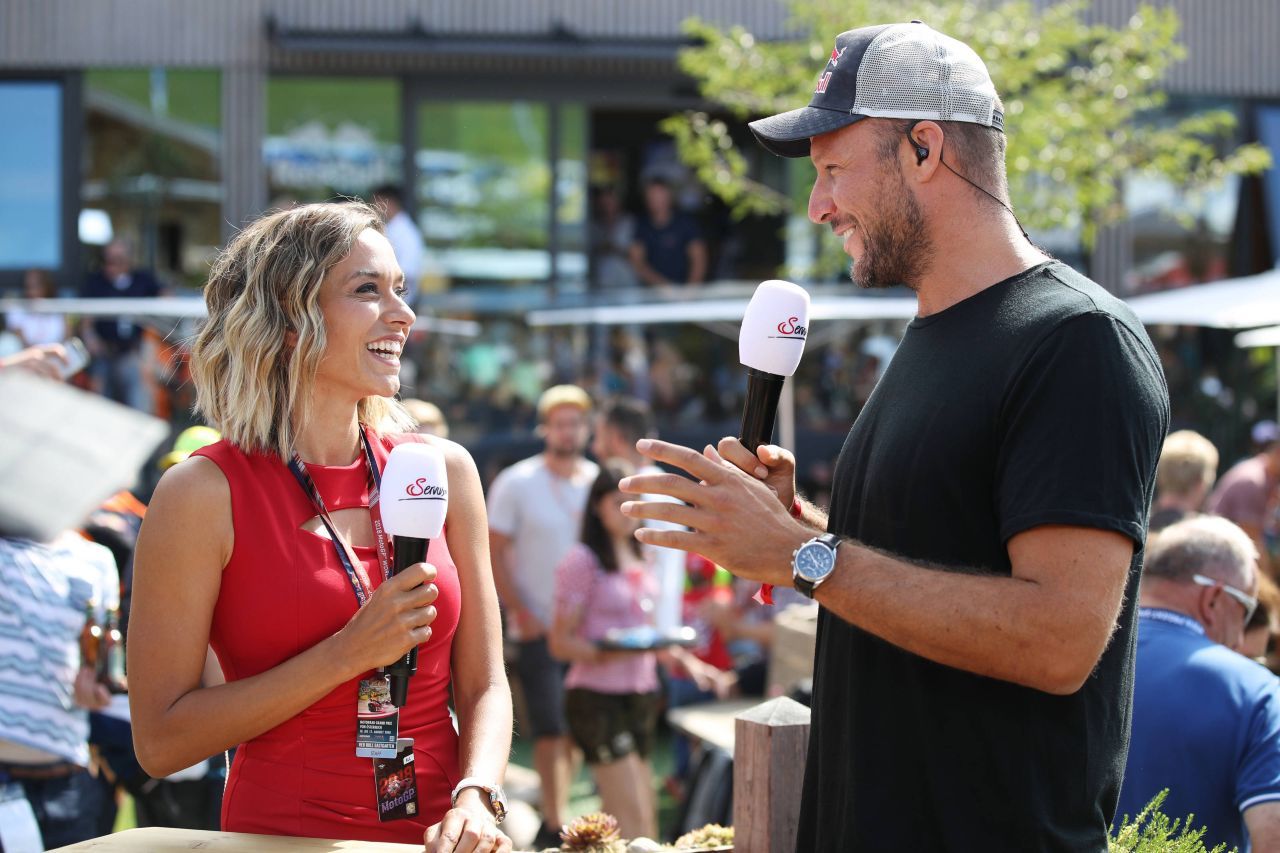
{"x": 396, "y": 618}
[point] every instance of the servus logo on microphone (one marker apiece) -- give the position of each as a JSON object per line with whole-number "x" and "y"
{"x": 421, "y": 490}
{"x": 792, "y": 330}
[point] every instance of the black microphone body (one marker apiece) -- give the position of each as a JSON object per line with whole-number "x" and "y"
{"x": 760, "y": 409}
{"x": 408, "y": 550}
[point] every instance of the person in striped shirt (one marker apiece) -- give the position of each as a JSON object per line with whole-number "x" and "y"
{"x": 47, "y": 591}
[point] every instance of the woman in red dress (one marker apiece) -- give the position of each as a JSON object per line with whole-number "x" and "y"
{"x": 263, "y": 547}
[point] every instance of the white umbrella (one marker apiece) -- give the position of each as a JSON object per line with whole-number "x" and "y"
{"x": 1238, "y": 303}
{"x": 1268, "y": 337}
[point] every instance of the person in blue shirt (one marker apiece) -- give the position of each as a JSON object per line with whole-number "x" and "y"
{"x": 116, "y": 342}
{"x": 1206, "y": 720}
{"x": 667, "y": 248}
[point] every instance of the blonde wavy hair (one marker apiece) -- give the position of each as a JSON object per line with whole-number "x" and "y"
{"x": 250, "y": 384}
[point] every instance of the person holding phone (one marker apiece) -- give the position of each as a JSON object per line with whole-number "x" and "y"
{"x": 52, "y": 361}
{"x": 265, "y": 546}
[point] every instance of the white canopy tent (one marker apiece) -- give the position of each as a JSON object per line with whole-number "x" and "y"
{"x": 179, "y": 308}
{"x": 1268, "y": 337}
{"x": 1238, "y": 303}
{"x": 1265, "y": 337}
{"x": 722, "y": 314}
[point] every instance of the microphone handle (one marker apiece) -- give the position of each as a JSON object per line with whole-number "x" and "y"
{"x": 408, "y": 550}
{"x": 761, "y": 408}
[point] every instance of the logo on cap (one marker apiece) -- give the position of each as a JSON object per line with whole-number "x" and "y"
{"x": 824, "y": 79}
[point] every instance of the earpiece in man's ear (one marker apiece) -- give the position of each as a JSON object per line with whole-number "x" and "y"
{"x": 922, "y": 153}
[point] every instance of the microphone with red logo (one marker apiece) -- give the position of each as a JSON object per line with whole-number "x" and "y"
{"x": 770, "y": 343}
{"x": 414, "y": 499}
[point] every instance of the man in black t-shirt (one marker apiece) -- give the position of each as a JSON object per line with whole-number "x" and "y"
{"x": 668, "y": 248}
{"x": 978, "y": 569}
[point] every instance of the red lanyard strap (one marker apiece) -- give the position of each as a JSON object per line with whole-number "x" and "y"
{"x": 354, "y": 568}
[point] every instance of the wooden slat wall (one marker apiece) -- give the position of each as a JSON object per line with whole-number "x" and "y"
{"x": 77, "y": 34}
{"x": 1231, "y": 43}
{"x": 1231, "y": 48}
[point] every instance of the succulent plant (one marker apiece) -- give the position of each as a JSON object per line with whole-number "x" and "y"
{"x": 593, "y": 833}
{"x": 707, "y": 837}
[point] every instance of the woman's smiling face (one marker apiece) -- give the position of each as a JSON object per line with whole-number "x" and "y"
{"x": 366, "y": 321}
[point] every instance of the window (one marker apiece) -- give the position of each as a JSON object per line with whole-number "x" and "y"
{"x": 329, "y": 136}
{"x": 31, "y": 175}
{"x": 484, "y": 188}
{"x": 1179, "y": 238}
{"x": 152, "y": 152}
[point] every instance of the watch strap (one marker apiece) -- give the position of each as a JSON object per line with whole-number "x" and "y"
{"x": 497, "y": 797}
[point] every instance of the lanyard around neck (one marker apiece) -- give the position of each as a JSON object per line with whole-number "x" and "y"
{"x": 346, "y": 555}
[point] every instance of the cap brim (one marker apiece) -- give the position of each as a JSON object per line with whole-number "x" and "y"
{"x": 788, "y": 134}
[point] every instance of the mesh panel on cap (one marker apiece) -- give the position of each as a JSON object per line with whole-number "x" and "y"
{"x": 911, "y": 71}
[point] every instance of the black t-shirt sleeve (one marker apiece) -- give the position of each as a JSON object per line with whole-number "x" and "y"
{"x": 1080, "y": 431}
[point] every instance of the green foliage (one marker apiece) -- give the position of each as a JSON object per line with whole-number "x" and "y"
{"x": 1153, "y": 832}
{"x": 194, "y": 95}
{"x": 1078, "y": 100}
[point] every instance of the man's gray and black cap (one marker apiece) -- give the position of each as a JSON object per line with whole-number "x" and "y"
{"x": 888, "y": 71}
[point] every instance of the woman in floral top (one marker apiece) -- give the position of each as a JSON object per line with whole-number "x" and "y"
{"x": 611, "y": 698}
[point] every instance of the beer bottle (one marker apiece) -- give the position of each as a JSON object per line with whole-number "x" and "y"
{"x": 90, "y": 639}
{"x": 111, "y": 659}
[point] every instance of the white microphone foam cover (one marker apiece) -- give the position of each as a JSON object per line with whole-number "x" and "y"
{"x": 774, "y": 328}
{"x": 414, "y": 497}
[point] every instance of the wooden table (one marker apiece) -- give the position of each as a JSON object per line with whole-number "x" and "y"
{"x": 710, "y": 722}
{"x": 159, "y": 840}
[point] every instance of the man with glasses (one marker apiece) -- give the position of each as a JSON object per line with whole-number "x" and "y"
{"x": 1206, "y": 720}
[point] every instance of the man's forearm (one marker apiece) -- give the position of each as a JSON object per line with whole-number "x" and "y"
{"x": 812, "y": 515}
{"x": 1010, "y": 628}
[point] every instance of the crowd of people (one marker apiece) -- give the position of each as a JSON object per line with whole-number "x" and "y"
{"x": 1021, "y": 575}
{"x": 1206, "y": 715}
{"x": 565, "y": 561}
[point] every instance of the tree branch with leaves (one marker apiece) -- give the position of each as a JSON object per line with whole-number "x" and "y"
{"x": 1082, "y": 103}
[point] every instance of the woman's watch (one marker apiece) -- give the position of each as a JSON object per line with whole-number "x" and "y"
{"x": 497, "y": 797}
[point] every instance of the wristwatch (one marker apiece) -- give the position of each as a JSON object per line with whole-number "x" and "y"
{"x": 497, "y": 797}
{"x": 813, "y": 562}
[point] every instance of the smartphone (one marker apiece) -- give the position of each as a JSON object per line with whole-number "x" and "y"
{"x": 77, "y": 357}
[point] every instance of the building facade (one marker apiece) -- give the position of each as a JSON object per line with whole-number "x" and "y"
{"x": 174, "y": 121}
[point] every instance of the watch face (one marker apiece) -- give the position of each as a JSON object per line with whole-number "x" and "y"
{"x": 814, "y": 561}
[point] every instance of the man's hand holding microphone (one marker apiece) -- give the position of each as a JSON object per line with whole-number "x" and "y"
{"x": 738, "y": 506}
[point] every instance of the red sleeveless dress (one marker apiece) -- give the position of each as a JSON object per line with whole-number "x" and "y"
{"x": 283, "y": 591}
